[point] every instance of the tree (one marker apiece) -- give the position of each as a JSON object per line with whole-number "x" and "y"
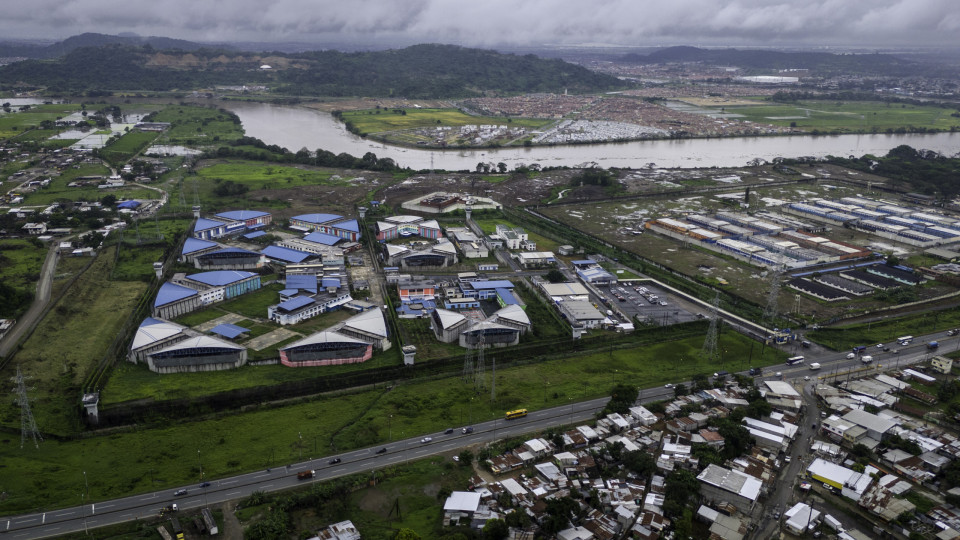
{"x": 495, "y": 529}
{"x": 640, "y": 463}
{"x": 681, "y": 485}
{"x": 466, "y": 458}
{"x": 680, "y": 390}
{"x": 555, "y": 276}
{"x": 406, "y": 534}
{"x": 517, "y": 519}
{"x": 502, "y": 167}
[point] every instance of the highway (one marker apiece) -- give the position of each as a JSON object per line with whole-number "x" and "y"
{"x": 148, "y": 505}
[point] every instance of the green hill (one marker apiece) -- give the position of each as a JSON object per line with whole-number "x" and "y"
{"x": 421, "y": 71}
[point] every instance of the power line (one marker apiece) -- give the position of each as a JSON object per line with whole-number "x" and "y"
{"x": 28, "y": 425}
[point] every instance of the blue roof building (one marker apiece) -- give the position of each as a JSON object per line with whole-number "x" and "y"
{"x": 301, "y": 282}
{"x": 285, "y": 255}
{"x": 254, "y": 234}
{"x": 233, "y": 282}
{"x": 192, "y": 246}
{"x": 229, "y": 331}
{"x": 243, "y": 215}
{"x": 175, "y": 300}
{"x": 128, "y": 205}
{"x": 331, "y": 224}
{"x": 322, "y": 238}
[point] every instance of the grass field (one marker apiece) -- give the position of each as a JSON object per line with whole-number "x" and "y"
{"x": 17, "y": 122}
{"x": 373, "y": 121}
{"x": 253, "y": 176}
{"x": 197, "y": 125}
{"x": 886, "y": 331}
{"x": 63, "y": 348}
{"x": 59, "y": 190}
{"x": 20, "y": 263}
{"x": 145, "y": 459}
{"x": 121, "y": 150}
{"x": 254, "y": 304}
{"x": 489, "y": 226}
{"x": 848, "y": 115}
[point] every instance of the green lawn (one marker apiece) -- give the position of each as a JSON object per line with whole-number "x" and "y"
{"x": 848, "y": 115}
{"x": 373, "y": 121}
{"x": 20, "y": 264}
{"x": 254, "y": 304}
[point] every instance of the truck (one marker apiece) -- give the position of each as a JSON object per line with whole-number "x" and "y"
{"x": 860, "y": 349}
{"x": 169, "y": 508}
{"x": 866, "y": 359}
{"x": 932, "y": 345}
{"x": 814, "y": 366}
{"x": 306, "y": 475}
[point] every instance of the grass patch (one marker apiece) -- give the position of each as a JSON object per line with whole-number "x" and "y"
{"x": 254, "y": 304}
{"x": 63, "y": 348}
{"x": 59, "y": 190}
{"x": 886, "y": 331}
{"x": 17, "y": 122}
{"x": 192, "y": 126}
{"x": 121, "y": 150}
{"x": 621, "y": 273}
{"x": 373, "y": 121}
{"x": 848, "y": 115}
{"x": 20, "y": 264}
{"x": 199, "y": 317}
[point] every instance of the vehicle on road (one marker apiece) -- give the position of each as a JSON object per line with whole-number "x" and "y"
{"x": 425, "y": 440}
{"x": 806, "y": 377}
{"x": 306, "y": 475}
{"x": 468, "y": 429}
{"x": 335, "y": 460}
{"x": 169, "y": 508}
{"x": 793, "y": 360}
{"x": 205, "y": 484}
{"x": 905, "y": 340}
{"x": 518, "y": 413}
{"x": 778, "y": 374}
{"x": 953, "y": 332}
{"x": 851, "y": 356}
{"x": 866, "y": 359}
{"x": 932, "y": 345}
{"x": 805, "y": 344}
{"x": 448, "y": 431}
{"x": 786, "y": 459}
{"x": 814, "y": 366}
{"x": 179, "y": 492}
{"x": 382, "y": 450}
{"x": 859, "y": 350}
{"x": 886, "y": 349}
{"x": 755, "y": 371}
{"x": 879, "y": 345}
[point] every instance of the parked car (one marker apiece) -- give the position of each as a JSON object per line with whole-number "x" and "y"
{"x": 334, "y": 461}
{"x": 179, "y": 492}
{"x": 382, "y": 450}
{"x": 425, "y": 440}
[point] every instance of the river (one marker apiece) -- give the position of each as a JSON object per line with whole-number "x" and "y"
{"x": 299, "y": 127}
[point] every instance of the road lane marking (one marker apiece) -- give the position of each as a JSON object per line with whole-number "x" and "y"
{"x": 93, "y": 509}
{"x": 259, "y": 476}
{"x": 44, "y": 520}
{"x": 225, "y": 482}
{"x": 233, "y": 493}
{"x": 67, "y": 513}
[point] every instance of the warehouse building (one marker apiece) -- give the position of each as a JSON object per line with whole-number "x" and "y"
{"x": 153, "y": 335}
{"x": 332, "y": 224}
{"x": 229, "y": 259}
{"x": 220, "y": 285}
{"x": 197, "y": 353}
{"x": 369, "y": 326}
{"x": 175, "y": 300}
{"x": 251, "y": 219}
{"x": 405, "y": 226}
{"x": 193, "y": 247}
{"x": 447, "y": 325}
{"x": 326, "y": 349}
{"x": 489, "y": 334}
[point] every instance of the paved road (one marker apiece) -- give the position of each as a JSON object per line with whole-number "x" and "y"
{"x": 40, "y": 300}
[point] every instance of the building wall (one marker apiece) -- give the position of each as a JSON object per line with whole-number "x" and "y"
{"x": 713, "y": 494}
{"x": 289, "y": 362}
{"x": 178, "y": 308}
{"x": 187, "y": 365}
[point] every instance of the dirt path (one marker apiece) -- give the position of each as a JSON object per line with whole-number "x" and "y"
{"x": 232, "y": 530}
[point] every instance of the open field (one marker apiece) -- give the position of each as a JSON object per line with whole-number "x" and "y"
{"x": 59, "y": 190}
{"x": 16, "y": 122}
{"x": 885, "y": 331}
{"x": 20, "y": 263}
{"x": 121, "y": 150}
{"x": 254, "y": 304}
{"x": 373, "y": 121}
{"x": 62, "y": 349}
{"x": 192, "y": 125}
{"x": 146, "y": 459}
{"x": 848, "y": 115}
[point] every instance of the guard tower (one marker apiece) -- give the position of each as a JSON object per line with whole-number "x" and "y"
{"x": 363, "y": 211}
{"x": 408, "y": 352}
{"x": 90, "y": 403}
{"x": 196, "y": 211}
{"x": 158, "y": 269}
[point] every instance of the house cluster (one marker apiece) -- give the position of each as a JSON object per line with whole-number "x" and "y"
{"x": 586, "y": 463}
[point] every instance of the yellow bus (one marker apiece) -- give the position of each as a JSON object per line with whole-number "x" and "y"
{"x": 516, "y": 414}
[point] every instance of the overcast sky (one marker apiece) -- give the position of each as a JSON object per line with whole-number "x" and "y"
{"x": 489, "y": 23}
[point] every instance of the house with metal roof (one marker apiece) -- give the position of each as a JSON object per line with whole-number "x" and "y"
{"x": 153, "y": 335}
{"x": 175, "y": 300}
{"x": 719, "y": 484}
{"x": 325, "y": 348}
{"x": 208, "y": 229}
{"x": 301, "y": 308}
{"x": 197, "y": 353}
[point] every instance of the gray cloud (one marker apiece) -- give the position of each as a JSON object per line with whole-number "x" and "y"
{"x": 870, "y": 23}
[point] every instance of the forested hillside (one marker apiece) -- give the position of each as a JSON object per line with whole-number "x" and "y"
{"x": 421, "y": 71}
{"x": 917, "y": 170}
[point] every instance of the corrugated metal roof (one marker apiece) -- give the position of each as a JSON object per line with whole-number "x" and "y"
{"x": 295, "y": 303}
{"x": 349, "y": 225}
{"x": 201, "y": 342}
{"x": 192, "y": 245}
{"x": 255, "y": 234}
{"x": 234, "y": 250}
{"x": 229, "y": 330}
{"x": 318, "y": 219}
{"x": 370, "y": 321}
{"x": 170, "y": 293}
{"x": 204, "y": 224}
{"x": 128, "y": 204}
{"x": 322, "y": 337}
{"x": 153, "y": 330}
{"x": 242, "y": 215}
{"x": 304, "y": 282}
{"x": 493, "y": 284}
{"x": 322, "y": 238}
{"x": 219, "y": 278}
{"x": 513, "y": 313}
{"x": 449, "y": 318}
{"x": 285, "y": 254}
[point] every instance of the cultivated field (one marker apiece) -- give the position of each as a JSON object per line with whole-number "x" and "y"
{"x": 853, "y": 116}
{"x": 14, "y": 122}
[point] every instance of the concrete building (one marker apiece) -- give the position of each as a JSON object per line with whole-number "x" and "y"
{"x": 175, "y": 300}
{"x": 447, "y": 325}
{"x": 581, "y": 312}
{"x": 332, "y": 224}
{"x": 229, "y": 259}
{"x": 489, "y": 334}
{"x": 404, "y": 226}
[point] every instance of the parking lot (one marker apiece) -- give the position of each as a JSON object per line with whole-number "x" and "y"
{"x": 647, "y": 303}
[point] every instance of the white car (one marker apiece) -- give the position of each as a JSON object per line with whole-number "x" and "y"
{"x": 879, "y": 345}
{"x": 425, "y": 440}
{"x": 851, "y": 356}
{"x": 668, "y": 385}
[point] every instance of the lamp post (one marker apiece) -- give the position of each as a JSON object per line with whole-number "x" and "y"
{"x": 300, "y": 446}
{"x": 390, "y": 429}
